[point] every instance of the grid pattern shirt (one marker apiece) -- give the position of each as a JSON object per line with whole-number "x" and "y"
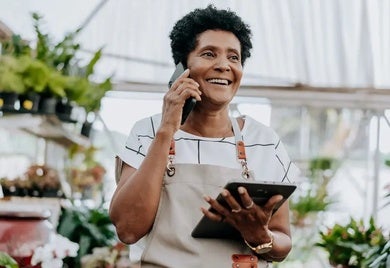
{"x": 266, "y": 155}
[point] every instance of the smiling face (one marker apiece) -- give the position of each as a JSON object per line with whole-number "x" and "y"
{"x": 215, "y": 64}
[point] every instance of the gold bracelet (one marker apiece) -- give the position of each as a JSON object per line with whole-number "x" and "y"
{"x": 262, "y": 248}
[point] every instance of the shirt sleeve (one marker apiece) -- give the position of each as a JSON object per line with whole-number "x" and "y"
{"x": 133, "y": 153}
{"x": 139, "y": 140}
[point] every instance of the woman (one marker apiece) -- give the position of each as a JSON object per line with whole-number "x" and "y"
{"x": 170, "y": 170}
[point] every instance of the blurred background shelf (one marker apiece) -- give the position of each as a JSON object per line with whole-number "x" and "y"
{"x": 48, "y": 127}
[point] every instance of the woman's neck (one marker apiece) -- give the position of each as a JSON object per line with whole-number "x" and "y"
{"x": 210, "y": 125}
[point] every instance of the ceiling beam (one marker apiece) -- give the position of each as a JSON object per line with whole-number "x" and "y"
{"x": 300, "y": 95}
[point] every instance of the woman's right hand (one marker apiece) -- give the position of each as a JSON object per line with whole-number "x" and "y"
{"x": 183, "y": 88}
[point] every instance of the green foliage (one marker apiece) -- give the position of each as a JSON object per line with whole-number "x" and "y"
{"x": 51, "y": 69}
{"x": 350, "y": 244}
{"x": 313, "y": 197}
{"x": 11, "y": 75}
{"x": 89, "y": 228}
{"x": 16, "y": 46}
{"x": 379, "y": 256}
{"x": 308, "y": 203}
{"x": 321, "y": 163}
{"x": 7, "y": 261}
{"x": 90, "y": 100}
{"x": 25, "y": 74}
{"x": 62, "y": 56}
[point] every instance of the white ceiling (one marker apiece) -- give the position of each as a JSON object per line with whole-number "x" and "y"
{"x": 318, "y": 43}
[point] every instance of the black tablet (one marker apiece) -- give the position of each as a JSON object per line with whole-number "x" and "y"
{"x": 260, "y": 193}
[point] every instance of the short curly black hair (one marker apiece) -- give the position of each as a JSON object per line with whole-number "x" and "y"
{"x": 186, "y": 30}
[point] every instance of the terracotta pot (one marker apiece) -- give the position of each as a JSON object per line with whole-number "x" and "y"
{"x": 23, "y": 231}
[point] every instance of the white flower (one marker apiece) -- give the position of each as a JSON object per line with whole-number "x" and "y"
{"x": 51, "y": 254}
{"x": 53, "y": 263}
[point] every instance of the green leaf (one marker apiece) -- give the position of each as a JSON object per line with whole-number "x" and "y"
{"x": 90, "y": 66}
{"x": 7, "y": 261}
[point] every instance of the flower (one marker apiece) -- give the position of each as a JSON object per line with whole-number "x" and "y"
{"x": 51, "y": 254}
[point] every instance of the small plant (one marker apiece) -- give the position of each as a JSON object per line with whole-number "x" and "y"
{"x": 38, "y": 181}
{"x": 89, "y": 227}
{"x": 85, "y": 173}
{"x": 313, "y": 197}
{"x": 350, "y": 245}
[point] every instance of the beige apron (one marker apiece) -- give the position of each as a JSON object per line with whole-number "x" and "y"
{"x": 170, "y": 244}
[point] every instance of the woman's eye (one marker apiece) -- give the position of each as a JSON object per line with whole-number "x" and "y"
{"x": 235, "y": 58}
{"x": 208, "y": 54}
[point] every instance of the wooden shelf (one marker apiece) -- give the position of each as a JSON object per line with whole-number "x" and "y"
{"x": 48, "y": 127}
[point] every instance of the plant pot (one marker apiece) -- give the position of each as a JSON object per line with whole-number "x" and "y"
{"x": 47, "y": 105}
{"x": 29, "y": 102}
{"x": 86, "y": 129}
{"x": 52, "y": 193}
{"x": 8, "y": 101}
{"x": 64, "y": 111}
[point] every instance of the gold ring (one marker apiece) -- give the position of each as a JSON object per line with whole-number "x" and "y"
{"x": 250, "y": 205}
{"x": 236, "y": 210}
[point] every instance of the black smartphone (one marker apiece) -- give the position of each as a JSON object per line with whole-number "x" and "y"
{"x": 190, "y": 102}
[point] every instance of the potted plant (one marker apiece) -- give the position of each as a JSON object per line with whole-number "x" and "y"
{"x": 85, "y": 173}
{"x": 11, "y": 83}
{"x": 52, "y": 70}
{"x": 313, "y": 196}
{"x": 351, "y": 245}
{"x": 89, "y": 227}
{"x": 37, "y": 181}
{"x": 79, "y": 87}
{"x": 28, "y": 79}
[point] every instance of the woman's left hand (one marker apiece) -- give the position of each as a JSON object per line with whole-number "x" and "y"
{"x": 249, "y": 219}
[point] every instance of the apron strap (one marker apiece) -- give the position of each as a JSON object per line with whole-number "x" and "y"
{"x": 240, "y": 148}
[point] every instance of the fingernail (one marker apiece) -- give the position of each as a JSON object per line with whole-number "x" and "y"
{"x": 241, "y": 190}
{"x": 206, "y": 198}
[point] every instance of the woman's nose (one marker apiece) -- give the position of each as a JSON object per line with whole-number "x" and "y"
{"x": 222, "y": 65}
